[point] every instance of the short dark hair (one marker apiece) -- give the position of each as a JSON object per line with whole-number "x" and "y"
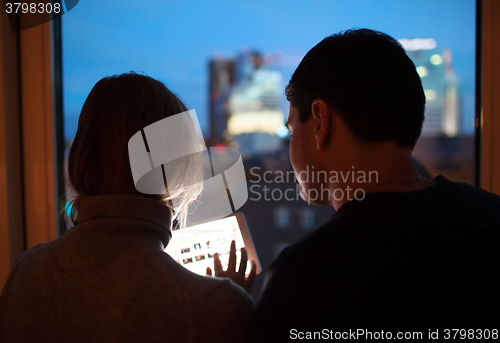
{"x": 368, "y": 77}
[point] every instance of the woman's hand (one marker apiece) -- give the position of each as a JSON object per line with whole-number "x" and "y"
{"x": 237, "y": 276}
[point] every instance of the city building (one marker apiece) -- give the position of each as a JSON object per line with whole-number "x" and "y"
{"x": 443, "y": 110}
{"x": 245, "y": 95}
{"x": 222, "y": 79}
{"x": 443, "y": 148}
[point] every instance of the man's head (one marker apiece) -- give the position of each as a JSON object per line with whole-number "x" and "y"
{"x": 368, "y": 78}
{"x": 357, "y": 104}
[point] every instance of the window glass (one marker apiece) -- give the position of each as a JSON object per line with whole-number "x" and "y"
{"x": 231, "y": 60}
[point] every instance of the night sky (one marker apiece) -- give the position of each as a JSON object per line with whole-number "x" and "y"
{"x": 174, "y": 40}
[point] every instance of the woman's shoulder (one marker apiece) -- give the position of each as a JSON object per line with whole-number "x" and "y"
{"x": 26, "y": 255}
{"x": 207, "y": 287}
{"x": 224, "y": 288}
{"x": 216, "y": 303}
{"x": 223, "y": 306}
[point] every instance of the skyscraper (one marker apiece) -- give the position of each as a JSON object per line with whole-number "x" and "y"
{"x": 443, "y": 110}
{"x": 245, "y": 97}
{"x": 222, "y": 79}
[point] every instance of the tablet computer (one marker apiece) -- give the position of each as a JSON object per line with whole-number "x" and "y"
{"x": 193, "y": 247}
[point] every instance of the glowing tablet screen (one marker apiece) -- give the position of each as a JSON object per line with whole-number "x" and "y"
{"x": 193, "y": 247}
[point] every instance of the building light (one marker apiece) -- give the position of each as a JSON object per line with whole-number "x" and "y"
{"x": 422, "y": 71}
{"x": 451, "y": 116}
{"x": 436, "y": 59}
{"x": 255, "y": 121}
{"x": 219, "y": 149}
{"x": 282, "y": 217}
{"x": 307, "y": 218}
{"x": 430, "y": 94}
{"x": 282, "y": 131}
{"x": 418, "y": 44}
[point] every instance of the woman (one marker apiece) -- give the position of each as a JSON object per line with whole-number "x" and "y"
{"x": 108, "y": 278}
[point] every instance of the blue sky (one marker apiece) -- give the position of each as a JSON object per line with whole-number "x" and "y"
{"x": 174, "y": 40}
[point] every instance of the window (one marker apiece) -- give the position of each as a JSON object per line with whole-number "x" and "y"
{"x": 282, "y": 217}
{"x": 231, "y": 61}
{"x": 307, "y": 218}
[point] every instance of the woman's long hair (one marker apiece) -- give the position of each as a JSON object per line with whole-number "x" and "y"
{"x": 98, "y": 163}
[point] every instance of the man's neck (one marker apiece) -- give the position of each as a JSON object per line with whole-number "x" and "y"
{"x": 381, "y": 169}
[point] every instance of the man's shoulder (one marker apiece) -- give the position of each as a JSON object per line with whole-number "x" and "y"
{"x": 305, "y": 283}
{"x": 469, "y": 190}
{"x": 385, "y": 235}
{"x": 308, "y": 257}
{"x": 475, "y": 205}
{"x": 357, "y": 219}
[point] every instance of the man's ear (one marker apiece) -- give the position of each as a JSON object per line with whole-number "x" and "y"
{"x": 321, "y": 114}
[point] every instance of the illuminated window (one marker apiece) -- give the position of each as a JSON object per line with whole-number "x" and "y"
{"x": 307, "y": 218}
{"x": 282, "y": 217}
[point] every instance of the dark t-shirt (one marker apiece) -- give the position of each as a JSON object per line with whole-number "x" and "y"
{"x": 420, "y": 259}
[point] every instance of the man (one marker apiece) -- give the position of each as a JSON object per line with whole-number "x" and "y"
{"x": 401, "y": 251}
